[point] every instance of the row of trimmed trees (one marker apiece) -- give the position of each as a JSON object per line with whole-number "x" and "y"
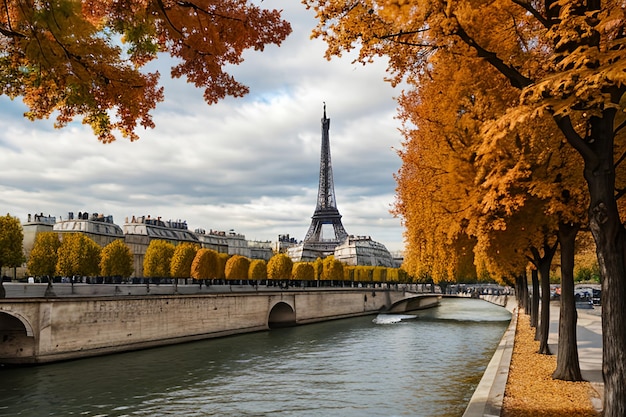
{"x": 188, "y": 260}
{"x": 78, "y": 255}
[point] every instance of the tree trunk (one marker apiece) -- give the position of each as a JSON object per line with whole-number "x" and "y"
{"x": 542, "y": 263}
{"x": 567, "y": 364}
{"x": 534, "y": 303}
{"x": 609, "y": 235}
{"x": 544, "y": 280}
{"x": 608, "y": 232}
{"x": 526, "y": 296}
{"x": 521, "y": 292}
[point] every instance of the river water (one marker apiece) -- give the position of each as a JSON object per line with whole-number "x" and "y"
{"x": 423, "y": 365}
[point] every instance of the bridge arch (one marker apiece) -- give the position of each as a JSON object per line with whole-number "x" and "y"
{"x": 281, "y": 315}
{"x": 17, "y": 340}
{"x": 13, "y": 322}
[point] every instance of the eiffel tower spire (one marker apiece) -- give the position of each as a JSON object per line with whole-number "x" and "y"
{"x": 326, "y": 212}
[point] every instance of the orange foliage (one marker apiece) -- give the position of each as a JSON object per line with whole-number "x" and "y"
{"x": 65, "y": 55}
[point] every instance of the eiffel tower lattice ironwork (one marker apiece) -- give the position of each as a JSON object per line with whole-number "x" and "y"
{"x": 326, "y": 212}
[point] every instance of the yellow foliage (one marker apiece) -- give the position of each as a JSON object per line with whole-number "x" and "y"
{"x": 279, "y": 267}
{"x": 11, "y": 237}
{"x": 116, "y": 260}
{"x": 78, "y": 255}
{"x": 380, "y": 274}
{"x": 258, "y": 269}
{"x": 237, "y": 267}
{"x": 222, "y": 258}
{"x": 303, "y": 271}
{"x": 43, "y": 257}
{"x": 182, "y": 259}
{"x": 332, "y": 269}
{"x": 363, "y": 273}
{"x": 157, "y": 260}
{"x": 205, "y": 264}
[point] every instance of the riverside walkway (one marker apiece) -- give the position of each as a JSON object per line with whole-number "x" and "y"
{"x": 489, "y": 394}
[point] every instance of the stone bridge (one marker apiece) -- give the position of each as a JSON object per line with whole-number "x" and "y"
{"x": 39, "y": 330}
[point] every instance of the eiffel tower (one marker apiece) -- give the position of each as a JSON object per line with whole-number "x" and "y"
{"x": 326, "y": 212}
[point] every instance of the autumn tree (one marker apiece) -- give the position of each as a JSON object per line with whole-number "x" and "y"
{"x": 258, "y": 269}
{"x": 78, "y": 255}
{"x": 476, "y": 188}
{"x": 363, "y": 273}
{"x": 182, "y": 260}
{"x": 11, "y": 237}
{"x": 205, "y": 264}
{"x": 222, "y": 258}
{"x": 380, "y": 274}
{"x": 116, "y": 260}
{"x": 157, "y": 260}
{"x": 436, "y": 179}
{"x": 237, "y": 267}
{"x": 43, "y": 257}
{"x": 303, "y": 271}
{"x": 318, "y": 266}
{"x": 333, "y": 269}
{"x": 65, "y": 56}
{"x": 279, "y": 267}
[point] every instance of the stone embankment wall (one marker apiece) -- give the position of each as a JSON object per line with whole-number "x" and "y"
{"x": 34, "y": 330}
{"x": 506, "y": 301}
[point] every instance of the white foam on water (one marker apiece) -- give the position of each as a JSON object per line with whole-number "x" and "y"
{"x": 392, "y": 318}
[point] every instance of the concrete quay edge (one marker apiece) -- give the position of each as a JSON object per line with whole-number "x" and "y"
{"x": 489, "y": 394}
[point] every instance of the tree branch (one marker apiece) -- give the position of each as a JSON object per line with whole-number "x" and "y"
{"x": 516, "y": 79}
{"x": 574, "y": 139}
{"x": 527, "y": 6}
{"x": 11, "y": 33}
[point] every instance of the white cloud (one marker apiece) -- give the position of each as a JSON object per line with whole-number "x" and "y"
{"x": 249, "y": 164}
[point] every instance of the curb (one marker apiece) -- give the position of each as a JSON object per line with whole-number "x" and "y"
{"x": 489, "y": 394}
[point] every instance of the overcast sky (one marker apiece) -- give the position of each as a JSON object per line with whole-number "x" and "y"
{"x": 249, "y": 164}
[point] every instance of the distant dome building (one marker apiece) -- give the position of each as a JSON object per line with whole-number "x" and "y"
{"x": 362, "y": 250}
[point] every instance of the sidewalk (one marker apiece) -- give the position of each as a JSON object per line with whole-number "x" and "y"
{"x": 489, "y": 394}
{"x": 589, "y": 338}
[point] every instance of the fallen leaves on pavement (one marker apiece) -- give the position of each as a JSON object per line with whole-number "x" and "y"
{"x": 530, "y": 389}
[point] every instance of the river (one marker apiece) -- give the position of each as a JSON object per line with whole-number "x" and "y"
{"x": 427, "y": 364}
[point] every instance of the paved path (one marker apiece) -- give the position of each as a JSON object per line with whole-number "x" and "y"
{"x": 589, "y": 339}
